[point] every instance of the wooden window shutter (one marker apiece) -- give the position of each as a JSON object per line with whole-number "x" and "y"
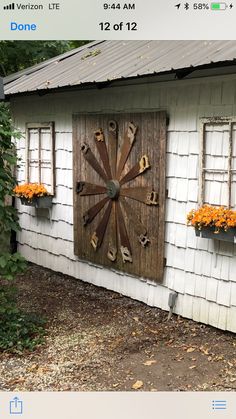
{"x": 129, "y": 214}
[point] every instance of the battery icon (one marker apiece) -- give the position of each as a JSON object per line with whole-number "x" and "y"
{"x": 218, "y": 6}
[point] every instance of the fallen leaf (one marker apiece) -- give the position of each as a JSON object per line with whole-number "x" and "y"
{"x": 205, "y": 351}
{"x": 33, "y": 367}
{"x": 137, "y": 385}
{"x": 192, "y": 367}
{"x": 154, "y": 331}
{"x": 115, "y": 385}
{"x": 136, "y": 319}
{"x": 218, "y": 358}
{"x": 17, "y": 381}
{"x": 150, "y": 362}
{"x": 115, "y": 343}
{"x": 43, "y": 370}
{"x": 190, "y": 350}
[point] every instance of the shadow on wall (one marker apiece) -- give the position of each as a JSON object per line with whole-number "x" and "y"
{"x": 4, "y": 242}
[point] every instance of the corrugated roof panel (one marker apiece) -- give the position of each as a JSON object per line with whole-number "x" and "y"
{"x": 112, "y": 60}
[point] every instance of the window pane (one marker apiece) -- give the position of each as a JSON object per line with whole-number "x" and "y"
{"x": 217, "y": 139}
{"x": 233, "y": 187}
{"x": 33, "y": 144}
{"x": 46, "y": 158}
{"x": 33, "y": 136}
{"x": 216, "y": 191}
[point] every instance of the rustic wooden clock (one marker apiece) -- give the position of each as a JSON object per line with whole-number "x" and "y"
{"x": 114, "y": 179}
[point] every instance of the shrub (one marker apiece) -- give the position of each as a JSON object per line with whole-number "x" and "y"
{"x": 18, "y": 330}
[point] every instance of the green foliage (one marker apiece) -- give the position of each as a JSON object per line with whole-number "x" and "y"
{"x": 17, "y": 55}
{"x": 11, "y": 264}
{"x": 8, "y": 214}
{"x": 18, "y": 331}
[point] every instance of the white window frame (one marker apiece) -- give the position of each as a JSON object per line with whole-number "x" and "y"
{"x": 39, "y": 126}
{"x": 202, "y": 169}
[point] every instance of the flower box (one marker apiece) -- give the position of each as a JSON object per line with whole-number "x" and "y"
{"x": 218, "y": 223}
{"x": 33, "y": 195}
{"x": 209, "y": 233}
{"x": 40, "y": 202}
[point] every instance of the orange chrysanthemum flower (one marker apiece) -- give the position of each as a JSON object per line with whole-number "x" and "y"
{"x": 209, "y": 216}
{"x": 30, "y": 190}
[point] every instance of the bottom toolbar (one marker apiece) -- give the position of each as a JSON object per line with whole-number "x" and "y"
{"x": 129, "y": 405}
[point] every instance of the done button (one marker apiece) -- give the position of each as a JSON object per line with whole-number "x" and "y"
{"x": 23, "y": 26}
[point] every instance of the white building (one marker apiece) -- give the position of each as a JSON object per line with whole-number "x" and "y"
{"x": 59, "y": 104}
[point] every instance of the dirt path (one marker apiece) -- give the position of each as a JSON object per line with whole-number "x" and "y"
{"x": 100, "y": 340}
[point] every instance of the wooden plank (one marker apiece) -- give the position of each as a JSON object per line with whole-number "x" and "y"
{"x": 215, "y": 170}
{"x": 133, "y": 217}
{"x": 230, "y": 163}
{"x": 202, "y": 133}
{"x": 162, "y": 195}
{"x": 39, "y": 155}
{"x": 53, "y": 170}
{"x": 75, "y": 147}
{"x": 36, "y": 125}
{"x": 27, "y": 143}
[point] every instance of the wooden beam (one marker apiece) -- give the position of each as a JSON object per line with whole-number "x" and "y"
{"x": 230, "y": 163}
{"x": 202, "y": 163}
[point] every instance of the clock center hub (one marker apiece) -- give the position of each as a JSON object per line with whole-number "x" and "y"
{"x": 113, "y": 189}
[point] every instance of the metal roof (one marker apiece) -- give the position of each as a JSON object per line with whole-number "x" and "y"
{"x": 103, "y": 61}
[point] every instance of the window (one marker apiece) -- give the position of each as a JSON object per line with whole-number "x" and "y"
{"x": 217, "y": 173}
{"x": 40, "y": 154}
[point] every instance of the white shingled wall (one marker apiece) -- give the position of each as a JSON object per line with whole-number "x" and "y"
{"x": 202, "y": 271}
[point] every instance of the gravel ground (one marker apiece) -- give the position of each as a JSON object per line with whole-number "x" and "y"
{"x": 99, "y": 340}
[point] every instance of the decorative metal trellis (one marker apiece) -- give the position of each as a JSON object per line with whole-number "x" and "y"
{"x": 118, "y": 194}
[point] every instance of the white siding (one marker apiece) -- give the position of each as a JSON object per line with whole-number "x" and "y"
{"x": 202, "y": 271}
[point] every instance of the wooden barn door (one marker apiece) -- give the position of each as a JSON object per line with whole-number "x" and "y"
{"x": 119, "y": 191}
